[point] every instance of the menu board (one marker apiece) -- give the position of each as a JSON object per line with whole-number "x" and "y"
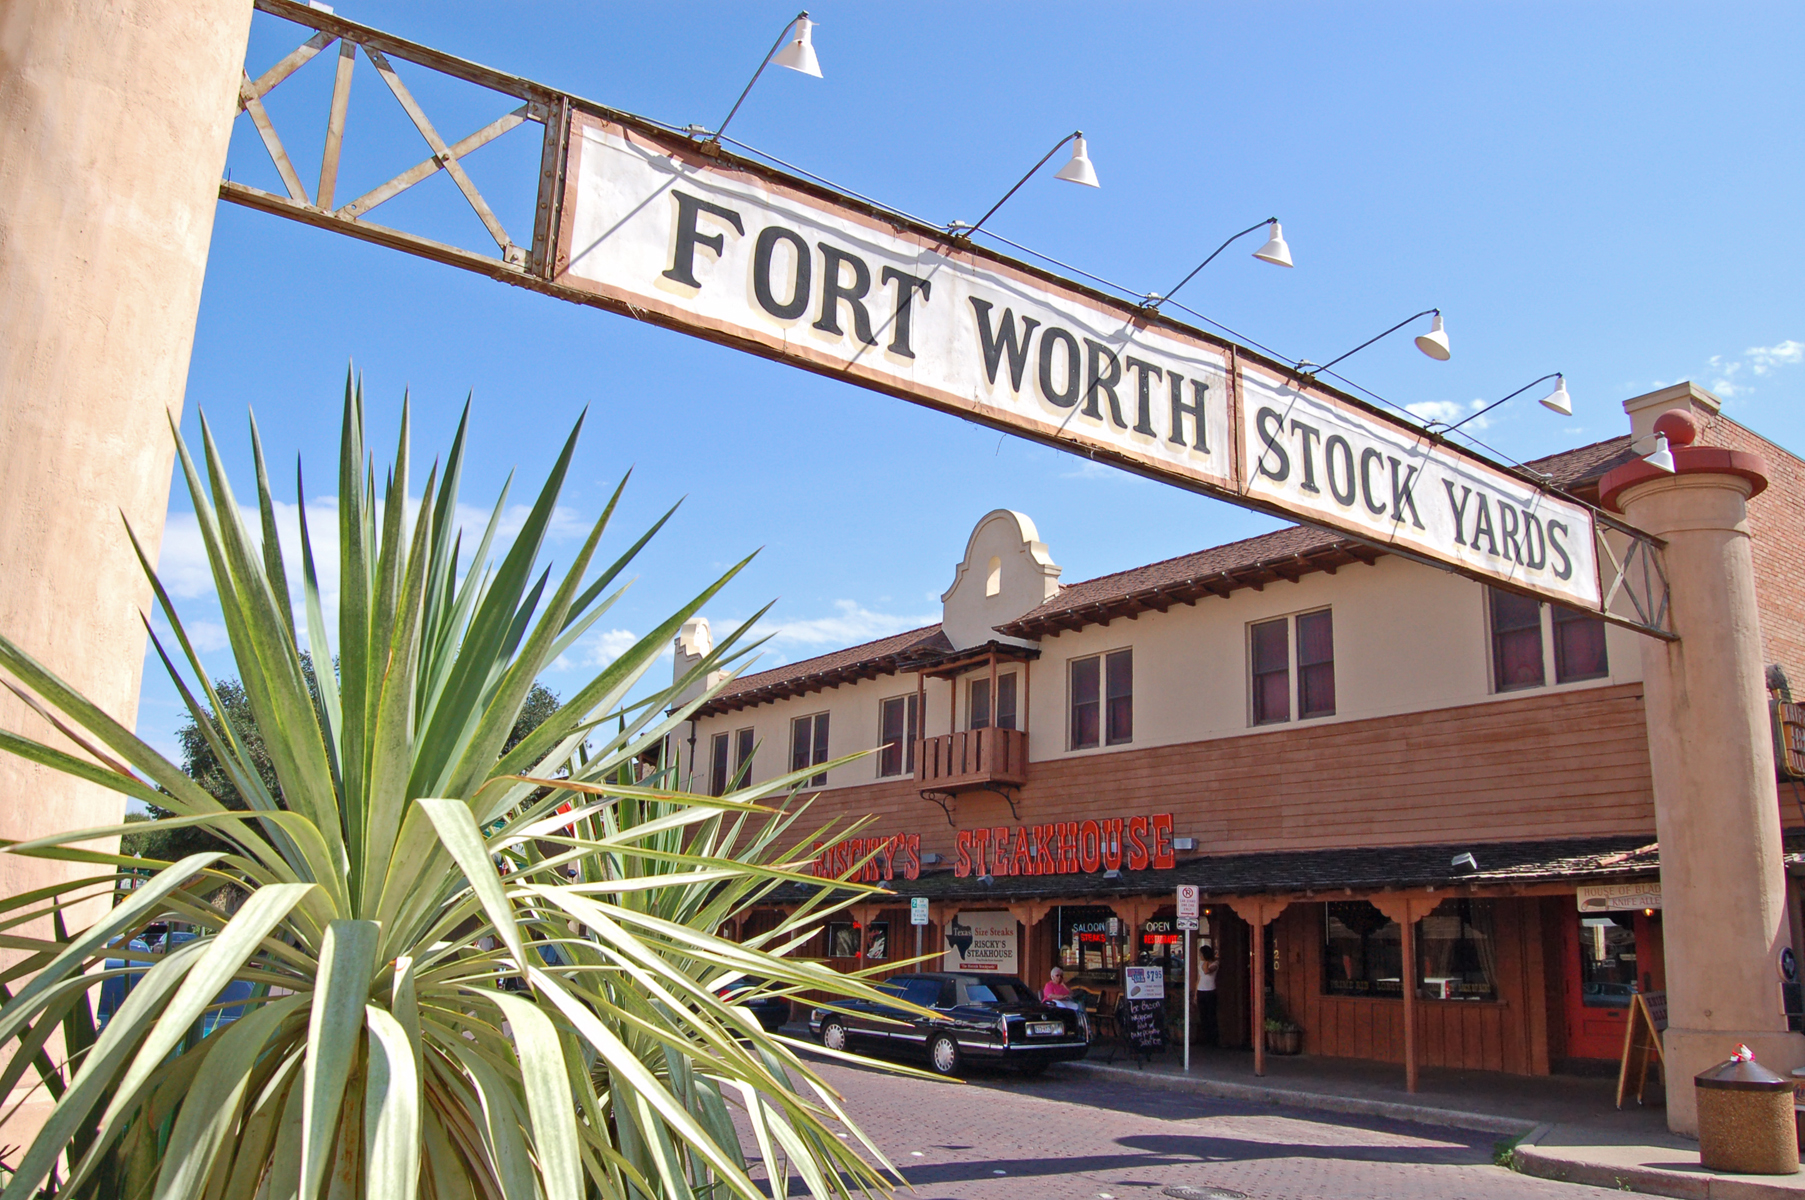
{"x": 1143, "y": 1024}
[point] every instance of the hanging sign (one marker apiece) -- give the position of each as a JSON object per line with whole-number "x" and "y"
{"x": 653, "y": 225}
{"x": 1619, "y": 897}
{"x": 981, "y": 941}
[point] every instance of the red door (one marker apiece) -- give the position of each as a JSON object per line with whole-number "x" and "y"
{"x": 1600, "y": 976}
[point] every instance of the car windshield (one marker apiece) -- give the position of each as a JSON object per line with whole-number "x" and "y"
{"x": 1002, "y": 990}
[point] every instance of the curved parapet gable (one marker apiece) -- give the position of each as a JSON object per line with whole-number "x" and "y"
{"x": 1006, "y": 572}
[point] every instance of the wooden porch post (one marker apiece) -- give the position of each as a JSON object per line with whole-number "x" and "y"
{"x": 1257, "y": 911}
{"x": 1407, "y": 911}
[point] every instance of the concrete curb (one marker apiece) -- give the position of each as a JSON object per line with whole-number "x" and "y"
{"x": 1530, "y": 1159}
{"x": 1420, "y": 1114}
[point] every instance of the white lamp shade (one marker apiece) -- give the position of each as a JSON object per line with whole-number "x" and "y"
{"x": 1435, "y": 342}
{"x": 799, "y": 54}
{"x": 1275, "y": 251}
{"x": 1662, "y": 458}
{"x": 1558, "y": 399}
{"x": 1079, "y": 170}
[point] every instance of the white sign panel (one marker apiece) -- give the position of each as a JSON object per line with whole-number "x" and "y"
{"x": 1189, "y": 899}
{"x": 1143, "y": 983}
{"x": 982, "y": 941}
{"x": 1327, "y": 460}
{"x": 1188, "y": 924}
{"x": 1620, "y": 897}
{"x": 748, "y": 257}
{"x": 918, "y": 910}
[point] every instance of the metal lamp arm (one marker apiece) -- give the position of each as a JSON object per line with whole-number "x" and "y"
{"x": 1496, "y": 403}
{"x": 763, "y": 63}
{"x": 969, "y": 230}
{"x": 1369, "y": 341}
{"x": 1159, "y": 300}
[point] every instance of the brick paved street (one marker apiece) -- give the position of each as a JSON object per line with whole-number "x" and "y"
{"x": 1061, "y": 1137}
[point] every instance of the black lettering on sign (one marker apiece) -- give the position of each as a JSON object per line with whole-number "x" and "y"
{"x": 1271, "y": 426}
{"x": 1344, "y": 493}
{"x": 1200, "y": 429}
{"x": 1144, "y": 375}
{"x": 833, "y": 291}
{"x": 1307, "y": 434}
{"x": 1073, "y": 367}
{"x": 906, "y": 287}
{"x": 762, "y": 251}
{"x": 1482, "y": 525}
{"x": 1402, "y": 496}
{"x": 1535, "y": 542}
{"x": 1003, "y": 341}
{"x": 1368, "y": 457}
{"x": 683, "y": 253}
{"x": 1096, "y": 381}
{"x": 1565, "y": 570}
{"x": 1460, "y": 509}
{"x": 1507, "y": 531}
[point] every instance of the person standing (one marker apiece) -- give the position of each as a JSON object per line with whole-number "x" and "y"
{"x": 1207, "y": 966}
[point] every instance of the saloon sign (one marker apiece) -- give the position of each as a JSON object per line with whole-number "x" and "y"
{"x": 743, "y": 255}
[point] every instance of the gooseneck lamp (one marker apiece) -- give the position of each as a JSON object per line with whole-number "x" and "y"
{"x": 1558, "y": 400}
{"x": 1434, "y": 343}
{"x": 1660, "y": 458}
{"x": 799, "y": 55}
{"x": 1077, "y": 170}
{"x": 1275, "y": 251}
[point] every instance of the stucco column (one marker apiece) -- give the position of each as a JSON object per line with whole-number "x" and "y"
{"x": 114, "y": 119}
{"x": 1711, "y": 756}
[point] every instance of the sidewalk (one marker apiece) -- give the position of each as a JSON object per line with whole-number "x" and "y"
{"x": 1563, "y": 1127}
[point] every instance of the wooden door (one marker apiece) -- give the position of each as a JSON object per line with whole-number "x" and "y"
{"x": 1600, "y": 975}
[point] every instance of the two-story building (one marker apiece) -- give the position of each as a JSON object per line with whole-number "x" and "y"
{"x": 1410, "y": 800}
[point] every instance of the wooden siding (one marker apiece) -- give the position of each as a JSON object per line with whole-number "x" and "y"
{"x": 1564, "y": 763}
{"x": 1509, "y": 1034}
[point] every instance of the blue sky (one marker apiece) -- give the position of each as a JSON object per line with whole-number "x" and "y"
{"x": 1610, "y": 191}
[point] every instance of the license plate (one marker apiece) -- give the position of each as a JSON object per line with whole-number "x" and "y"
{"x": 1045, "y": 1028}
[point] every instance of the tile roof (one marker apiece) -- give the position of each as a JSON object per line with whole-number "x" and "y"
{"x": 1579, "y": 470}
{"x": 865, "y": 661}
{"x": 1286, "y": 553}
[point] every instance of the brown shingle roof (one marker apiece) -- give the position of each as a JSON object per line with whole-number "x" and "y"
{"x": 885, "y": 656}
{"x": 1253, "y": 562}
{"x": 1579, "y": 470}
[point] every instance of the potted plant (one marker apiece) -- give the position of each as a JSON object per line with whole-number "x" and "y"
{"x": 1283, "y": 1036}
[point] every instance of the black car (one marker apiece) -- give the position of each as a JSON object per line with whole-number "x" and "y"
{"x": 979, "y": 1018}
{"x": 771, "y": 1011}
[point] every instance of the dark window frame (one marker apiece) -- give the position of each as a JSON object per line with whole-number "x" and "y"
{"x": 810, "y": 749}
{"x": 745, "y": 745}
{"x": 977, "y": 707}
{"x": 1509, "y": 638}
{"x": 1568, "y": 625}
{"x": 1084, "y": 716}
{"x": 1312, "y": 673}
{"x": 1258, "y": 674}
{"x": 1118, "y": 697}
{"x": 897, "y": 756}
{"x": 718, "y": 750}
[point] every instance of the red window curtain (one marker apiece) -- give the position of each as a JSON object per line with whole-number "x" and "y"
{"x": 1271, "y": 673}
{"x": 1315, "y": 665}
{"x": 1086, "y": 695}
{"x": 1578, "y": 646}
{"x": 1119, "y": 667}
{"x": 1516, "y": 641}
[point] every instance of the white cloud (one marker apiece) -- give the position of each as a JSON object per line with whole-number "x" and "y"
{"x": 597, "y": 648}
{"x": 1763, "y": 359}
{"x": 850, "y": 625}
{"x": 1448, "y": 412}
{"x": 1725, "y": 374}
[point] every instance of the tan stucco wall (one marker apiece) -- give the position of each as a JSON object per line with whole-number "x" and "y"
{"x": 114, "y": 119}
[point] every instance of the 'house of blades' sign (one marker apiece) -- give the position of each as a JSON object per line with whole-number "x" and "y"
{"x": 652, "y": 224}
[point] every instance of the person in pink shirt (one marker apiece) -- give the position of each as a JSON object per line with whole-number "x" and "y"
{"x": 1056, "y": 990}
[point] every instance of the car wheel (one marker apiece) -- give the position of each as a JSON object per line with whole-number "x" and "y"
{"x": 944, "y": 1056}
{"x": 833, "y": 1036}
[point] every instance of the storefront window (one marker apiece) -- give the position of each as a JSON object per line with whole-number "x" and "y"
{"x": 1363, "y": 952}
{"x": 842, "y": 940}
{"x": 1607, "y": 960}
{"x": 1458, "y": 952}
{"x": 1091, "y": 945}
{"x": 877, "y": 940}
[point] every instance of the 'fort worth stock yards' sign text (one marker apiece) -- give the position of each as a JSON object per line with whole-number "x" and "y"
{"x": 634, "y": 218}
{"x": 652, "y": 223}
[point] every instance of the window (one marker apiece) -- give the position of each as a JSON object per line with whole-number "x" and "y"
{"x": 744, "y": 745}
{"x": 842, "y": 940}
{"x": 1271, "y": 673}
{"x": 1315, "y": 665}
{"x": 1459, "y": 954}
{"x": 980, "y": 703}
{"x": 1086, "y": 691}
{"x": 896, "y": 732}
{"x": 808, "y": 745}
{"x": 1516, "y": 641}
{"x": 877, "y": 940}
{"x": 717, "y": 765}
{"x": 1363, "y": 951}
{"x": 1118, "y": 670}
{"x": 1102, "y": 696}
{"x": 1578, "y": 646}
{"x": 923, "y": 992}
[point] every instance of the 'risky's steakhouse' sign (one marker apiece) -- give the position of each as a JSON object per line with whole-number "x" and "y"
{"x": 742, "y": 257}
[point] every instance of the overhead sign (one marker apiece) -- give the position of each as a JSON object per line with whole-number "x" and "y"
{"x": 1619, "y": 897}
{"x": 743, "y": 255}
{"x": 981, "y": 941}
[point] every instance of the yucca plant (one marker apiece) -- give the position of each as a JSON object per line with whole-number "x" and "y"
{"x": 474, "y": 974}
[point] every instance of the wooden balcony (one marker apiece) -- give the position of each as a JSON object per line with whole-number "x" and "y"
{"x": 979, "y": 758}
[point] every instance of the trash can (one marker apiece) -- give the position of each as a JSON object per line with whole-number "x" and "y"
{"x": 1745, "y": 1120}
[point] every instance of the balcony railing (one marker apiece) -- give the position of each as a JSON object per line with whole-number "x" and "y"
{"x": 979, "y": 758}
